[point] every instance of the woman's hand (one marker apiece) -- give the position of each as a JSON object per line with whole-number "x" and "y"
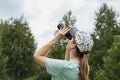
{"x": 61, "y": 33}
{"x": 71, "y": 44}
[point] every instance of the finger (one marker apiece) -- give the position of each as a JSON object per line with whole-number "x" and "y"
{"x": 63, "y": 28}
{"x": 60, "y": 28}
{"x": 65, "y": 31}
{"x": 72, "y": 39}
{"x": 69, "y": 42}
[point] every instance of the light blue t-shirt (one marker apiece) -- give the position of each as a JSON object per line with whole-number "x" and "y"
{"x": 62, "y": 69}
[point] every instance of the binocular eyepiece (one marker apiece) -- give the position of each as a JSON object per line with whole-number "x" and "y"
{"x": 70, "y": 33}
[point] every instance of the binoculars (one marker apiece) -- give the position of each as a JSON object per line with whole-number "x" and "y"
{"x": 70, "y": 33}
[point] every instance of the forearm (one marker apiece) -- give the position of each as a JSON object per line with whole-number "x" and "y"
{"x": 40, "y": 55}
{"x": 67, "y": 56}
{"x": 44, "y": 50}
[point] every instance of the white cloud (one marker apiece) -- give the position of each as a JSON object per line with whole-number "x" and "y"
{"x": 44, "y": 15}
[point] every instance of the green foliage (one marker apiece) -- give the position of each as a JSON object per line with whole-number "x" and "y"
{"x": 111, "y": 63}
{"x": 68, "y": 19}
{"x": 102, "y": 75}
{"x": 3, "y": 60}
{"x": 58, "y": 51}
{"x": 106, "y": 26}
{"x": 18, "y": 45}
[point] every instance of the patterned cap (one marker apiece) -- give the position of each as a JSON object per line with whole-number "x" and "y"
{"x": 84, "y": 41}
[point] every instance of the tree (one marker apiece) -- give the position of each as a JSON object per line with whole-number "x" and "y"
{"x": 18, "y": 45}
{"x": 106, "y": 26}
{"x": 111, "y": 62}
{"x": 3, "y": 60}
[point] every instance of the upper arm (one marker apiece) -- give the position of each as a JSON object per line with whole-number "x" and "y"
{"x": 53, "y": 66}
{"x": 41, "y": 60}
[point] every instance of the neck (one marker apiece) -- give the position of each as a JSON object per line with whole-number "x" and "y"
{"x": 73, "y": 55}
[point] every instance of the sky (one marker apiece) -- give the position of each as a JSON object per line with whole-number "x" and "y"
{"x": 43, "y": 15}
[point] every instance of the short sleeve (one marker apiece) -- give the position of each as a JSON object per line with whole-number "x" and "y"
{"x": 54, "y": 66}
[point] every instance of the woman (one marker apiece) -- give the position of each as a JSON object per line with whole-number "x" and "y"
{"x": 75, "y": 65}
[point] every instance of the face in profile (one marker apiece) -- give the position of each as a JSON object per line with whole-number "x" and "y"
{"x": 71, "y": 44}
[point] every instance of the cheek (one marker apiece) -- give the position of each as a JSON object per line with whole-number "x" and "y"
{"x": 68, "y": 46}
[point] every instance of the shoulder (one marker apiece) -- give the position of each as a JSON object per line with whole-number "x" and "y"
{"x": 71, "y": 64}
{"x": 56, "y": 61}
{"x": 55, "y": 66}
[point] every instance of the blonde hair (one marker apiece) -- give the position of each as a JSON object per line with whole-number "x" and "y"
{"x": 83, "y": 64}
{"x": 84, "y": 68}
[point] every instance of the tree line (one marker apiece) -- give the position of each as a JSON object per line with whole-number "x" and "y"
{"x": 17, "y": 46}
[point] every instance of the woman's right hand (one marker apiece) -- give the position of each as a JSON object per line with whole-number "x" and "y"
{"x": 61, "y": 33}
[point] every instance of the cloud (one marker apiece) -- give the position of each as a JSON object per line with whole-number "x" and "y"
{"x": 44, "y": 15}
{"x": 10, "y": 8}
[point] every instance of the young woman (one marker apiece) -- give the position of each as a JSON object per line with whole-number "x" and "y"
{"x": 75, "y": 65}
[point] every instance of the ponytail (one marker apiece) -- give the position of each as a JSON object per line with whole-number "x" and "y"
{"x": 83, "y": 64}
{"x": 84, "y": 68}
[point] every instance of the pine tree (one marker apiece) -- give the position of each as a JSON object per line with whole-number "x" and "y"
{"x": 3, "y": 60}
{"x": 18, "y": 45}
{"x": 111, "y": 63}
{"x": 106, "y": 26}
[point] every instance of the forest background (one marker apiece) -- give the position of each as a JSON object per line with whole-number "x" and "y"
{"x": 17, "y": 46}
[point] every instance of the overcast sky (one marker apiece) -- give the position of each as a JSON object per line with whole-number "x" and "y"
{"x": 44, "y": 15}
